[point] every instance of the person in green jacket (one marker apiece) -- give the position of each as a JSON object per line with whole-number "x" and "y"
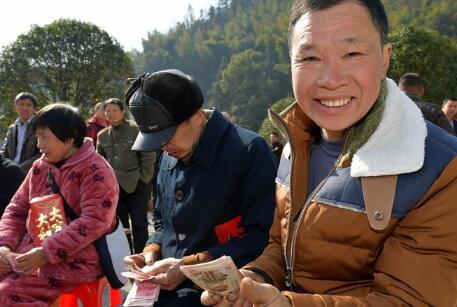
{"x": 133, "y": 169}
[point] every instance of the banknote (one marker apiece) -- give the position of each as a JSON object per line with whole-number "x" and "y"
{"x": 220, "y": 275}
{"x": 143, "y": 293}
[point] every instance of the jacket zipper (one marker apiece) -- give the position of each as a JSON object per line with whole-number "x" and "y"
{"x": 288, "y": 277}
{"x": 291, "y": 262}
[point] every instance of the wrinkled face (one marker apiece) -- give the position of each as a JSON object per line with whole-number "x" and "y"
{"x": 53, "y": 149}
{"x": 113, "y": 114}
{"x": 338, "y": 64}
{"x": 24, "y": 109}
{"x": 450, "y": 109}
{"x": 186, "y": 137}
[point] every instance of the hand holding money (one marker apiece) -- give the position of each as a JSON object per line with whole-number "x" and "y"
{"x": 252, "y": 291}
{"x": 138, "y": 261}
{"x": 218, "y": 276}
{"x": 166, "y": 273}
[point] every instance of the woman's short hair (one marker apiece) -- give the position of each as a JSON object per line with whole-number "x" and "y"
{"x": 64, "y": 121}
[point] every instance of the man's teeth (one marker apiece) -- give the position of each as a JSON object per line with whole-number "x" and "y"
{"x": 335, "y": 103}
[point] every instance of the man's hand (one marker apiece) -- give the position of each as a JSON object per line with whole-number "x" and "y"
{"x": 138, "y": 261}
{"x": 253, "y": 292}
{"x": 31, "y": 260}
{"x": 166, "y": 273}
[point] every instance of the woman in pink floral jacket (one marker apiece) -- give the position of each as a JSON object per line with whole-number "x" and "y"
{"x": 36, "y": 276}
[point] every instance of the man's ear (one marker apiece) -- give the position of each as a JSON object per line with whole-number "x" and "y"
{"x": 421, "y": 91}
{"x": 386, "y": 55}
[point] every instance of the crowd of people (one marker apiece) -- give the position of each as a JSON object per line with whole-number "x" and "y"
{"x": 357, "y": 208}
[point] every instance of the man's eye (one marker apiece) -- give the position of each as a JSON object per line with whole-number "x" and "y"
{"x": 310, "y": 59}
{"x": 352, "y": 54}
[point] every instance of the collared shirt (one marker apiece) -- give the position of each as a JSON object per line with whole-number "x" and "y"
{"x": 21, "y": 128}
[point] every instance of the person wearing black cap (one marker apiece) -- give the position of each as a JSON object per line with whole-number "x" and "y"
{"x": 215, "y": 183}
{"x": 134, "y": 171}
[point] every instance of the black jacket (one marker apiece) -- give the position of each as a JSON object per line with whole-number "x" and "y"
{"x": 231, "y": 173}
{"x": 432, "y": 113}
{"x": 11, "y": 177}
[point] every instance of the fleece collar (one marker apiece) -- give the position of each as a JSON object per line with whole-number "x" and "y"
{"x": 397, "y": 146}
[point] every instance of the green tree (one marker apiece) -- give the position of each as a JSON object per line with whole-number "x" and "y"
{"x": 247, "y": 84}
{"x": 67, "y": 60}
{"x": 428, "y": 53}
{"x": 267, "y": 125}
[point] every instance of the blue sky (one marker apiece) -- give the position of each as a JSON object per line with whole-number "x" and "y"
{"x": 127, "y": 21}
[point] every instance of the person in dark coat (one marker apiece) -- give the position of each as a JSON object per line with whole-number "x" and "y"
{"x": 275, "y": 145}
{"x": 20, "y": 143}
{"x": 11, "y": 177}
{"x": 413, "y": 86}
{"x": 215, "y": 183}
{"x": 449, "y": 109}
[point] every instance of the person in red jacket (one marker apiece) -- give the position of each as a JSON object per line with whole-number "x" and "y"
{"x": 97, "y": 122}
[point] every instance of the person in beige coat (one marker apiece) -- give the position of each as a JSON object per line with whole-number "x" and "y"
{"x": 133, "y": 170}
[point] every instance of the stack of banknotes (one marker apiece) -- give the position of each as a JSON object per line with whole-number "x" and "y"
{"x": 220, "y": 276}
{"x": 143, "y": 293}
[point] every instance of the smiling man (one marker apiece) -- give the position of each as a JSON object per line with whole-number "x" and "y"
{"x": 21, "y": 144}
{"x": 365, "y": 195}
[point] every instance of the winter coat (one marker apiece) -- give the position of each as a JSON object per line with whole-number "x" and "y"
{"x": 29, "y": 152}
{"x": 231, "y": 173}
{"x": 11, "y": 177}
{"x": 115, "y": 144}
{"x": 94, "y": 126}
{"x": 432, "y": 113}
{"x": 340, "y": 259}
{"x": 88, "y": 184}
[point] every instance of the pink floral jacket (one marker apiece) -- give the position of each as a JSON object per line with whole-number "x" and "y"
{"x": 89, "y": 185}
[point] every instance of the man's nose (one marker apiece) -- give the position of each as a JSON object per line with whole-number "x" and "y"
{"x": 332, "y": 75}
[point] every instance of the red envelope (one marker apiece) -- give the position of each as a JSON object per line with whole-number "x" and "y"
{"x": 47, "y": 216}
{"x": 229, "y": 229}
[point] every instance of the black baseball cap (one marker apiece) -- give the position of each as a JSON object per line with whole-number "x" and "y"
{"x": 159, "y": 102}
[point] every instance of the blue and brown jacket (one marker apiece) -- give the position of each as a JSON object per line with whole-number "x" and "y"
{"x": 338, "y": 248}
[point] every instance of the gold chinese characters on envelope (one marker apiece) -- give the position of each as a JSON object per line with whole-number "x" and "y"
{"x": 47, "y": 216}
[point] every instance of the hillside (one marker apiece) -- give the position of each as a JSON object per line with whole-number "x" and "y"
{"x": 238, "y": 50}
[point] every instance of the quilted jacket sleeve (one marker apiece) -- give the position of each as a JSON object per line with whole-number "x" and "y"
{"x": 417, "y": 266}
{"x": 99, "y": 195}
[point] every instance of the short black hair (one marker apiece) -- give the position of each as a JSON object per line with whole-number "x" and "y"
{"x": 374, "y": 7}
{"x": 181, "y": 96}
{"x": 411, "y": 80}
{"x": 64, "y": 121}
{"x": 274, "y": 133}
{"x": 26, "y": 95}
{"x": 114, "y": 101}
{"x": 446, "y": 100}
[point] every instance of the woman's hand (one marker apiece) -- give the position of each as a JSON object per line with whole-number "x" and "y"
{"x": 166, "y": 273}
{"x": 31, "y": 260}
{"x": 253, "y": 292}
{"x": 4, "y": 263}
